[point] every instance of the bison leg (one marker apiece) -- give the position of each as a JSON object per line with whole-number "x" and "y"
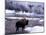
{"x": 23, "y": 29}
{"x": 17, "y": 29}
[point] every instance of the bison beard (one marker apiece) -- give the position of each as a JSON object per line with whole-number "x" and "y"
{"x": 21, "y": 23}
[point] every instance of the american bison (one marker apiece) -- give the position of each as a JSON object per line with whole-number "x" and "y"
{"x": 21, "y": 23}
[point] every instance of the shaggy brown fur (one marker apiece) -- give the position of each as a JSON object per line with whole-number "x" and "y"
{"x": 21, "y": 23}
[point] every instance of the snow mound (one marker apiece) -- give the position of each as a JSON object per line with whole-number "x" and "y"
{"x": 34, "y": 29}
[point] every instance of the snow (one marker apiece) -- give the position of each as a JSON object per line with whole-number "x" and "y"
{"x": 10, "y": 11}
{"x": 34, "y": 29}
{"x": 24, "y": 13}
{"x": 41, "y": 20}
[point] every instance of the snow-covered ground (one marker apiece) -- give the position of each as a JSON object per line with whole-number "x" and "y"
{"x": 34, "y": 25}
{"x": 34, "y": 29}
